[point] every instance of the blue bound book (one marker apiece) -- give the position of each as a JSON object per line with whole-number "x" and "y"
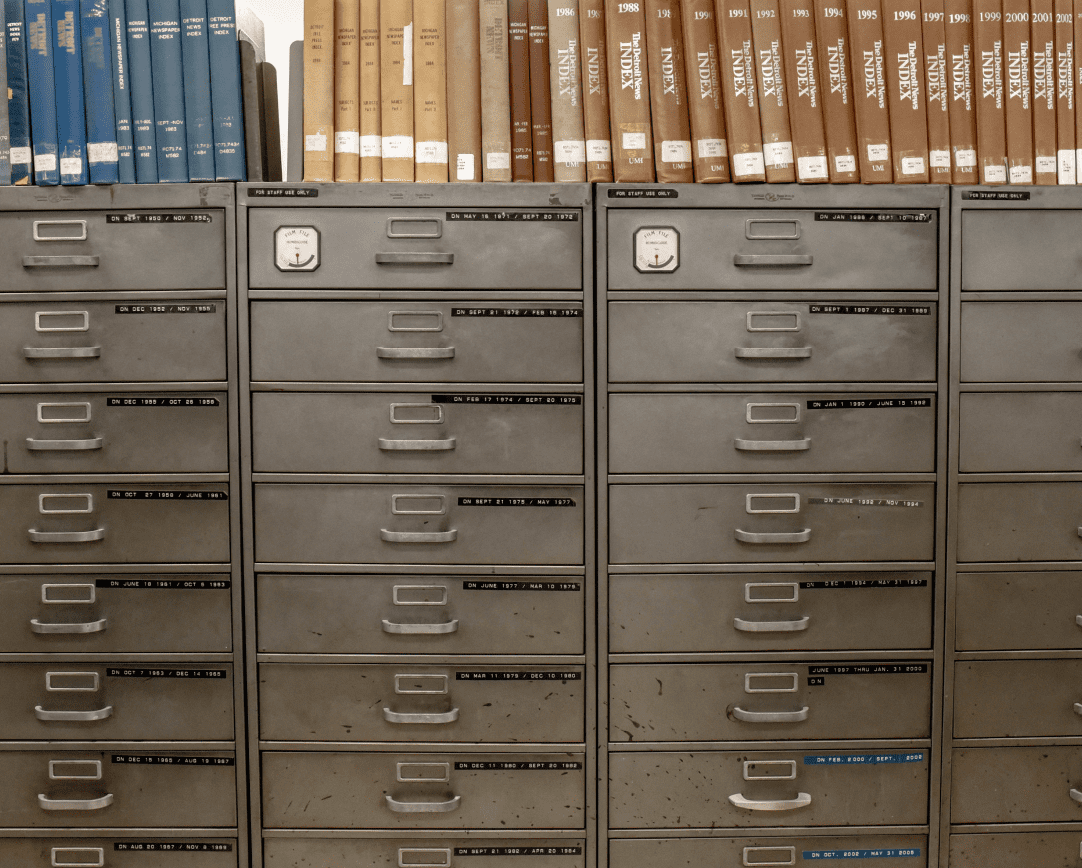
{"x": 167, "y": 63}
{"x": 118, "y": 54}
{"x": 140, "y": 76}
{"x": 5, "y": 130}
{"x": 70, "y": 109}
{"x": 193, "y": 41}
{"x": 22, "y": 159}
{"x": 101, "y": 149}
{"x": 225, "y": 93}
{"x": 42, "y": 87}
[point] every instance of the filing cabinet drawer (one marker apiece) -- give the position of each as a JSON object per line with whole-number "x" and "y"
{"x": 741, "y": 789}
{"x": 1016, "y": 784}
{"x": 1017, "y": 698}
{"x": 118, "y": 522}
{"x": 1021, "y": 342}
{"x": 1018, "y": 611}
{"x": 770, "y": 701}
{"x": 129, "y": 432}
{"x": 422, "y": 248}
{"x": 314, "y": 790}
{"x": 409, "y": 341}
{"x": 1020, "y": 249}
{"x": 770, "y": 612}
{"x": 770, "y": 523}
{"x": 408, "y": 702}
{"x": 1010, "y": 850}
{"x": 118, "y": 852}
{"x": 422, "y": 852}
{"x": 1030, "y": 521}
{"x": 416, "y": 433}
{"x": 767, "y": 341}
{"x": 72, "y": 250}
{"x": 117, "y": 702}
{"x": 118, "y": 789}
{"x": 1018, "y": 432}
{"x": 420, "y": 614}
{"x": 778, "y": 249}
{"x": 772, "y": 433}
{"x": 413, "y": 524}
{"x": 112, "y": 341}
{"x": 889, "y": 851}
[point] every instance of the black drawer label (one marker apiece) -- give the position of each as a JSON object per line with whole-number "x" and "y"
{"x": 635, "y": 193}
{"x": 202, "y": 307}
{"x": 518, "y": 851}
{"x": 118, "y": 672}
{"x": 864, "y": 759}
{"x": 162, "y": 760}
{"x": 864, "y": 501}
{"x": 162, "y": 402}
{"x": 869, "y": 669}
{"x": 887, "y": 853}
{"x": 515, "y": 501}
{"x": 873, "y": 216}
{"x": 520, "y": 586}
{"x": 869, "y": 404}
{"x": 165, "y": 584}
{"x": 171, "y": 847}
{"x": 536, "y": 400}
{"x": 283, "y": 192}
{"x": 166, "y": 217}
{"x": 844, "y": 584}
{"x": 872, "y": 309}
{"x": 514, "y": 216}
{"x": 518, "y": 676}
{"x": 123, "y": 494}
{"x": 995, "y": 196}
{"x": 510, "y": 766}
{"x": 517, "y": 311}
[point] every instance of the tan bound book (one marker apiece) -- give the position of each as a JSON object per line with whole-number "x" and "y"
{"x": 935, "y": 80}
{"x": 540, "y": 94}
{"x": 991, "y": 122}
{"x": 396, "y": 88}
{"x": 1065, "y": 119}
{"x": 495, "y": 92}
{"x": 1018, "y": 91}
{"x": 595, "y": 90}
{"x": 773, "y": 101}
{"x": 518, "y": 58}
{"x": 739, "y": 94}
{"x": 629, "y": 93}
{"x": 565, "y": 82}
{"x": 709, "y": 150}
{"x": 805, "y": 102}
{"x": 430, "y": 91}
{"x": 463, "y": 91}
{"x": 347, "y": 118}
{"x": 870, "y": 91}
{"x": 668, "y": 93}
{"x": 961, "y": 96}
{"x": 836, "y": 83}
{"x": 904, "y": 46}
{"x": 1043, "y": 50}
{"x": 319, "y": 90}
{"x": 371, "y": 143}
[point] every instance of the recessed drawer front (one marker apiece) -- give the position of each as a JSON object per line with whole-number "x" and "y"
{"x": 888, "y": 851}
{"x": 92, "y": 432}
{"x": 112, "y": 341}
{"x": 71, "y": 250}
{"x": 407, "y": 702}
{"x": 118, "y": 852}
{"x": 772, "y": 433}
{"x": 1021, "y": 342}
{"x": 770, "y": 341}
{"x": 1016, "y": 784}
{"x": 118, "y": 522}
{"x": 420, "y": 614}
{"x": 652, "y": 524}
{"x": 769, "y": 701}
{"x": 314, "y": 790}
{"x": 1021, "y": 249}
{"x": 413, "y": 524}
{"x": 770, "y": 612}
{"x": 1018, "y": 611}
{"x": 422, "y": 248}
{"x": 125, "y": 702}
{"x": 741, "y": 789}
{"x": 1017, "y": 698}
{"x": 1030, "y": 521}
{"x": 118, "y": 789}
{"x": 410, "y": 432}
{"x": 422, "y": 852}
{"x": 1008, "y": 849}
{"x": 776, "y": 249}
{"x": 1020, "y": 432}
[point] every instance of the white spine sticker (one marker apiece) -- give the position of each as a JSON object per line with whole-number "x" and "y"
{"x": 845, "y": 163}
{"x": 675, "y": 152}
{"x": 315, "y": 143}
{"x": 748, "y": 164}
{"x": 1046, "y": 165}
{"x": 634, "y": 141}
{"x": 1065, "y": 160}
{"x": 878, "y": 153}
{"x": 712, "y": 149}
{"x": 912, "y": 165}
{"x": 939, "y": 159}
{"x": 778, "y": 154}
{"x": 432, "y": 152}
{"x": 965, "y": 158}
{"x": 995, "y": 174}
{"x": 407, "y": 54}
{"x": 464, "y": 168}
{"x": 371, "y": 146}
{"x": 1021, "y": 174}
{"x": 812, "y": 168}
{"x": 44, "y": 162}
{"x": 71, "y": 165}
{"x": 101, "y": 152}
{"x": 23, "y": 156}
{"x": 570, "y": 151}
{"x": 497, "y": 160}
{"x": 599, "y": 151}
{"x": 347, "y": 143}
{"x": 398, "y": 147}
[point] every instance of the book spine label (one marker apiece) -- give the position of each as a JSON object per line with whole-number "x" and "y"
{"x": 168, "y": 69}
{"x": 5, "y": 126}
{"x": 565, "y": 82}
{"x": 495, "y": 92}
{"x": 870, "y": 92}
{"x": 1065, "y": 111}
{"x": 198, "y": 120}
{"x": 629, "y": 92}
{"x": 595, "y": 90}
{"x": 22, "y": 158}
{"x": 319, "y": 90}
{"x": 1043, "y": 51}
{"x": 144, "y": 132}
{"x": 773, "y": 107}
{"x": 430, "y": 91}
{"x": 102, "y": 154}
{"x": 1018, "y": 91}
{"x": 836, "y": 83}
{"x": 540, "y": 92}
{"x": 991, "y": 120}
{"x": 226, "y": 107}
{"x": 370, "y": 142}
{"x": 668, "y": 92}
{"x": 935, "y": 79}
{"x": 709, "y": 147}
{"x": 70, "y": 107}
{"x": 39, "y": 61}
{"x": 805, "y": 102}
{"x": 961, "y": 97}
{"x": 904, "y": 46}
{"x": 347, "y": 80}
{"x": 518, "y": 54}
{"x": 118, "y": 62}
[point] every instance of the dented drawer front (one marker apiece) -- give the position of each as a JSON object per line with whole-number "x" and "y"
{"x": 772, "y": 433}
{"x": 1020, "y": 249}
{"x": 408, "y": 702}
{"x": 769, "y": 701}
{"x": 1018, "y": 611}
{"x": 889, "y": 851}
{"x": 423, "y": 852}
{"x": 738, "y": 789}
{"x": 118, "y": 522}
{"x": 1016, "y": 784}
{"x": 1010, "y": 849}
{"x": 408, "y": 432}
{"x": 118, "y": 789}
{"x": 773, "y": 249}
{"x": 770, "y": 523}
{"x": 314, "y": 790}
{"x": 1030, "y": 521}
{"x": 416, "y": 248}
{"x": 1021, "y": 342}
{"x": 413, "y": 524}
{"x": 1017, "y": 698}
{"x": 112, "y": 852}
{"x": 1016, "y": 432}
{"x": 420, "y": 614}
{"x": 771, "y": 341}
{"x": 112, "y": 341}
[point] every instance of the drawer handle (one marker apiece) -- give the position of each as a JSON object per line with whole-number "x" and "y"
{"x": 424, "y": 807}
{"x": 770, "y": 716}
{"x": 1076, "y": 795}
{"x": 772, "y": 445}
{"x": 1078, "y": 708}
{"x": 415, "y": 352}
{"x": 47, "y": 804}
{"x": 771, "y": 260}
{"x": 415, "y": 258}
{"x": 416, "y": 445}
{"x": 73, "y": 716}
{"x": 394, "y": 536}
{"x": 1078, "y": 620}
{"x": 797, "y": 626}
{"x": 802, "y": 800}
{"x": 420, "y": 629}
{"x": 62, "y": 352}
{"x": 773, "y": 352}
{"x": 37, "y": 626}
{"x": 64, "y": 445}
{"x": 59, "y": 853}
{"x": 405, "y": 717}
{"x": 61, "y": 261}
{"x": 773, "y": 538}
{"x": 67, "y": 536}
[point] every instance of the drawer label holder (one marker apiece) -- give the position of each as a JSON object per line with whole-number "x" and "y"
{"x": 163, "y": 760}
{"x": 518, "y": 851}
{"x": 889, "y": 853}
{"x": 864, "y": 759}
{"x": 172, "y": 847}
{"x": 511, "y": 766}
{"x": 165, "y": 584}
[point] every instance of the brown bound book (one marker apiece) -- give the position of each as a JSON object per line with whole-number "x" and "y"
{"x": 1043, "y": 50}
{"x": 805, "y": 101}
{"x": 495, "y": 93}
{"x": 1076, "y": 77}
{"x": 961, "y": 99}
{"x": 1065, "y": 120}
{"x": 540, "y": 93}
{"x": 870, "y": 91}
{"x": 629, "y": 93}
{"x": 668, "y": 93}
{"x": 565, "y": 82}
{"x": 709, "y": 151}
{"x": 1018, "y": 91}
{"x": 991, "y": 123}
{"x": 595, "y": 90}
{"x": 739, "y": 92}
{"x": 518, "y": 55}
{"x": 370, "y": 126}
{"x": 319, "y": 90}
{"x": 347, "y": 119}
{"x": 836, "y": 89}
{"x": 463, "y": 91}
{"x": 396, "y": 88}
{"x": 430, "y": 91}
{"x": 935, "y": 79}
{"x": 904, "y": 46}
{"x": 773, "y": 103}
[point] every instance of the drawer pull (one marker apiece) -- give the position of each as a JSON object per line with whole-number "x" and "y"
{"x": 772, "y": 260}
{"x": 394, "y": 536}
{"x": 47, "y": 804}
{"x": 424, "y": 807}
{"x": 773, "y": 352}
{"x": 78, "y": 224}
{"x": 420, "y": 629}
{"x": 1076, "y": 795}
{"x": 62, "y": 352}
{"x": 61, "y": 261}
{"x": 802, "y": 800}
{"x": 37, "y": 626}
{"x": 73, "y": 716}
{"x": 797, "y": 626}
{"x": 773, "y": 538}
{"x": 67, "y": 536}
{"x": 419, "y": 717}
{"x": 415, "y": 352}
{"x": 1078, "y": 620}
{"x": 770, "y": 716}
{"x": 416, "y": 445}
{"x": 58, "y": 854}
{"x": 415, "y": 258}
{"x": 772, "y": 445}
{"x": 63, "y": 445}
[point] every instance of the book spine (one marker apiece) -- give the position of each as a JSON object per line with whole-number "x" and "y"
{"x": 961, "y": 100}
{"x": 198, "y": 121}
{"x": 144, "y": 133}
{"x": 991, "y": 123}
{"x": 495, "y": 92}
{"x": 102, "y": 154}
{"x": 668, "y": 92}
{"x": 770, "y": 76}
{"x": 870, "y": 91}
{"x": 5, "y": 126}
{"x": 1076, "y": 79}
{"x": 118, "y": 63}
{"x": 170, "y": 130}
{"x": 347, "y": 81}
{"x": 464, "y": 91}
{"x": 935, "y": 75}
{"x": 1018, "y": 91}
{"x": 540, "y": 93}
{"x": 319, "y": 90}
{"x": 805, "y": 103}
{"x": 738, "y": 91}
{"x": 39, "y": 63}
{"x": 629, "y": 95}
{"x": 518, "y": 54}
{"x": 835, "y": 77}
{"x": 370, "y": 121}
{"x": 904, "y": 46}
{"x": 21, "y": 154}
{"x": 1065, "y": 112}
{"x": 565, "y": 82}
{"x": 251, "y": 92}
{"x": 396, "y": 88}
{"x": 1043, "y": 51}
{"x": 70, "y": 107}
{"x": 595, "y": 91}
{"x": 709, "y": 149}
{"x": 226, "y": 108}
{"x": 430, "y": 90}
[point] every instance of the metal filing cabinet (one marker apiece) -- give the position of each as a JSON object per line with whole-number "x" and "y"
{"x": 417, "y": 370}
{"x": 770, "y": 438}
{"x": 120, "y": 611}
{"x": 1014, "y": 609}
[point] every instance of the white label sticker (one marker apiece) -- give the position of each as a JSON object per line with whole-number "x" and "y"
{"x": 1046, "y": 165}
{"x": 432, "y": 152}
{"x": 347, "y": 143}
{"x": 995, "y": 174}
{"x": 778, "y": 154}
{"x": 712, "y": 149}
{"x": 407, "y": 54}
{"x": 812, "y": 168}
{"x": 21, "y": 156}
{"x": 965, "y": 158}
{"x": 497, "y": 160}
{"x": 912, "y": 165}
{"x": 398, "y": 147}
{"x": 845, "y": 163}
{"x": 675, "y": 152}
{"x": 599, "y": 151}
{"x": 464, "y": 168}
{"x": 939, "y": 159}
{"x": 634, "y": 141}
{"x": 101, "y": 152}
{"x": 1021, "y": 174}
{"x": 71, "y": 165}
{"x": 315, "y": 143}
{"x": 570, "y": 151}
{"x": 748, "y": 164}
{"x": 44, "y": 162}
{"x": 878, "y": 153}
{"x": 371, "y": 146}
{"x": 1065, "y": 159}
